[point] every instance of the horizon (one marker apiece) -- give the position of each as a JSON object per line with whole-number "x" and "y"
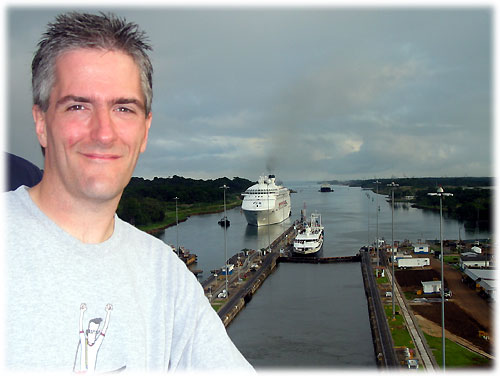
{"x": 321, "y": 180}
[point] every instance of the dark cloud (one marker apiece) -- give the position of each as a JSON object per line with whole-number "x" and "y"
{"x": 307, "y": 93}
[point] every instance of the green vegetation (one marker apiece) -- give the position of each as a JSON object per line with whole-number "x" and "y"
{"x": 216, "y": 306}
{"x": 400, "y": 334}
{"x": 424, "y": 183}
{"x": 150, "y": 204}
{"x": 381, "y": 280}
{"x": 452, "y": 259}
{"x": 410, "y": 295}
{"x": 456, "y": 355}
{"x": 186, "y": 210}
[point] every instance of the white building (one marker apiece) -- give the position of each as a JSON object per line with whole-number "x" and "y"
{"x": 474, "y": 260}
{"x": 421, "y": 248}
{"x": 485, "y": 279}
{"x": 431, "y": 287}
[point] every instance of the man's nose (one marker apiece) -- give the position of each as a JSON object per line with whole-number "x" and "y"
{"x": 103, "y": 127}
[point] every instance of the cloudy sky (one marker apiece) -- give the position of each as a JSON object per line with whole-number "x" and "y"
{"x": 308, "y": 93}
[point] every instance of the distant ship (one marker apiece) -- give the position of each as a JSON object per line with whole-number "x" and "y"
{"x": 266, "y": 203}
{"x": 309, "y": 240}
{"x": 325, "y": 187}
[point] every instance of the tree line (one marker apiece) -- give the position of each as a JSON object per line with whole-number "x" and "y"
{"x": 146, "y": 201}
{"x": 471, "y": 201}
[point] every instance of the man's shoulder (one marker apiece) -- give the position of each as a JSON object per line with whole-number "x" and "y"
{"x": 133, "y": 234}
{"x": 15, "y": 200}
{"x": 146, "y": 247}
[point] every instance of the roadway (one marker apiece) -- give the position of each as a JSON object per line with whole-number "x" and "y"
{"x": 387, "y": 345}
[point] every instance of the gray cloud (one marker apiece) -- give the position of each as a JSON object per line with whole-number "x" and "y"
{"x": 310, "y": 93}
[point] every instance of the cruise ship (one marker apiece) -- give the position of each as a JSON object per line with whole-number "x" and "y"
{"x": 309, "y": 239}
{"x": 266, "y": 203}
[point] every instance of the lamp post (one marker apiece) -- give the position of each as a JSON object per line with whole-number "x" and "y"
{"x": 441, "y": 194}
{"x": 225, "y": 237}
{"x": 177, "y": 225}
{"x": 368, "y": 224}
{"x": 268, "y": 220}
{"x": 392, "y": 186}
{"x": 376, "y": 244}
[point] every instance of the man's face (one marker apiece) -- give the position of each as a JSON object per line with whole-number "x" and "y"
{"x": 92, "y": 332}
{"x": 95, "y": 126}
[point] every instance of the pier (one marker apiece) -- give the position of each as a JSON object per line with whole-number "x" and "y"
{"x": 319, "y": 260}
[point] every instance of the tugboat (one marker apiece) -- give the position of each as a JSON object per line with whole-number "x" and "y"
{"x": 224, "y": 222}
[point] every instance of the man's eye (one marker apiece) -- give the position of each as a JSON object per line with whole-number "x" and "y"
{"x": 76, "y": 107}
{"x": 124, "y": 109}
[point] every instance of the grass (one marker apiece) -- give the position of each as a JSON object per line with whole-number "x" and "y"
{"x": 400, "y": 334}
{"x": 381, "y": 280}
{"x": 452, "y": 259}
{"x": 186, "y": 210}
{"x": 410, "y": 295}
{"x": 216, "y": 306}
{"x": 456, "y": 355}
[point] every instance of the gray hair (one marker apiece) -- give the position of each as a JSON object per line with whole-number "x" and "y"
{"x": 82, "y": 30}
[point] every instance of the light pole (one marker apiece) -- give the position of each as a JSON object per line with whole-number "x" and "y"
{"x": 376, "y": 244}
{"x": 225, "y": 237}
{"x": 441, "y": 194}
{"x": 268, "y": 223}
{"x": 177, "y": 225}
{"x": 368, "y": 215}
{"x": 393, "y": 185}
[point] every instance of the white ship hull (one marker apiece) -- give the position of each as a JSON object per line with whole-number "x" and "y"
{"x": 264, "y": 217}
{"x": 310, "y": 251}
{"x": 266, "y": 203}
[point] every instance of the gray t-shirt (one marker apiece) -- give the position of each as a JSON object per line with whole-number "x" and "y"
{"x": 160, "y": 318}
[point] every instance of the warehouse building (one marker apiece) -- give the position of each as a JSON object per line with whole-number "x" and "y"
{"x": 484, "y": 281}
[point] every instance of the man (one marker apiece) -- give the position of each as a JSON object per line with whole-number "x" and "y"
{"x": 91, "y": 339}
{"x": 92, "y": 93}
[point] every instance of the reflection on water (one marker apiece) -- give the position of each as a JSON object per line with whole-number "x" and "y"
{"x": 264, "y": 235}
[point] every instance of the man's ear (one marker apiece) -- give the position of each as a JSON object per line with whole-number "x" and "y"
{"x": 149, "y": 119}
{"x": 40, "y": 125}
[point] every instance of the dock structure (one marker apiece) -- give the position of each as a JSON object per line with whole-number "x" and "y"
{"x": 319, "y": 260}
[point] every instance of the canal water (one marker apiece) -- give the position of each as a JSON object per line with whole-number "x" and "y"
{"x": 311, "y": 315}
